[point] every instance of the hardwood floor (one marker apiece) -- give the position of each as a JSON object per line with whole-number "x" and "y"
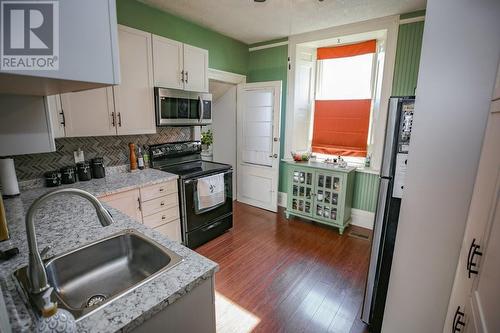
{"x": 287, "y": 275}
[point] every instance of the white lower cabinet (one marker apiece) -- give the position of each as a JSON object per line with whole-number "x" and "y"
{"x": 127, "y": 202}
{"x": 156, "y": 206}
{"x": 475, "y": 299}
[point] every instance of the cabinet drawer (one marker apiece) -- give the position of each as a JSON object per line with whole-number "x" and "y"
{"x": 158, "y": 190}
{"x": 162, "y": 217}
{"x": 154, "y": 206}
{"x": 172, "y": 230}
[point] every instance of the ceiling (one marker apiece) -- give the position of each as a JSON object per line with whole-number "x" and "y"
{"x": 252, "y": 22}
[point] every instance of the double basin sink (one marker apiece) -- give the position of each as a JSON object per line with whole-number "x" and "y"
{"x": 92, "y": 276}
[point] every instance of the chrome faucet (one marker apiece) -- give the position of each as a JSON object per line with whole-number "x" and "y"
{"x": 36, "y": 270}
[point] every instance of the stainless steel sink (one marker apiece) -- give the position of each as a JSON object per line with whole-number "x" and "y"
{"x": 89, "y": 277}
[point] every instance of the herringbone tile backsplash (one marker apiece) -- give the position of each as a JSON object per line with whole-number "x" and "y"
{"x": 114, "y": 150}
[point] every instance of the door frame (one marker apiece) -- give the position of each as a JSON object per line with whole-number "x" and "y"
{"x": 278, "y": 85}
{"x": 236, "y": 79}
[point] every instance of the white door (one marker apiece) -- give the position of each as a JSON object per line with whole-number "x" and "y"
{"x": 168, "y": 63}
{"x": 134, "y": 96}
{"x": 475, "y": 298}
{"x": 195, "y": 69}
{"x": 258, "y": 127}
{"x": 89, "y": 112}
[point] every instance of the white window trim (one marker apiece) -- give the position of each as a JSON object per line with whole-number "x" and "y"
{"x": 390, "y": 25}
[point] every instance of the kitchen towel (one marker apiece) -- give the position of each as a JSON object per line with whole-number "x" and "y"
{"x": 210, "y": 191}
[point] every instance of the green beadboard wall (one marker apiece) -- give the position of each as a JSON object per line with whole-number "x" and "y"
{"x": 407, "y": 58}
{"x": 225, "y": 53}
{"x": 271, "y": 65}
{"x": 365, "y": 191}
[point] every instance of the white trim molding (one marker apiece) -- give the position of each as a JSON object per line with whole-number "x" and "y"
{"x": 362, "y": 218}
{"x": 282, "y": 199}
{"x": 412, "y": 20}
{"x": 228, "y": 77}
{"x": 267, "y": 46}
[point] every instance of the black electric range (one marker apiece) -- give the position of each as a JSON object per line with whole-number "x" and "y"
{"x": 184, "y": 160}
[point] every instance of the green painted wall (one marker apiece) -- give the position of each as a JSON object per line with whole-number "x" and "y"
{"x": 365, "y": 191}
{"x": 224, "y": 53}
{"x": 407, "y": 58}
{"x": 271, "y": 65}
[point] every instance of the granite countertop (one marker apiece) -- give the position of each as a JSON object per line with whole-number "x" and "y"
{"x": 320, "y": 165}
{"x": 68, "y": 222}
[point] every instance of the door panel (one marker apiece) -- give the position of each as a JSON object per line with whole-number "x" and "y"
{"x": 195, "y": 69}
{"x": 127, "y": 202}
{"x": 89, "y": 113}
{"x": 134, "y": 96}
{"x": 167, "y": 63}
{"x": 258, "y": 127}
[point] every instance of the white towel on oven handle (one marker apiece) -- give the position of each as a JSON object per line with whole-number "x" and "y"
{"x": 210, "y": 191}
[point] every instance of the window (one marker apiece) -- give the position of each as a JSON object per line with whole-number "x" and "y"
{"x": 343, "y": 99}
{"x": 345, "y": 78}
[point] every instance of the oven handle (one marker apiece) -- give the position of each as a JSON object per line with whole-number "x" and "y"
{"x": 189, "y": 181}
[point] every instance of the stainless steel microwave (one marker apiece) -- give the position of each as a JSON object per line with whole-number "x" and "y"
{"x": 182, "y": 108}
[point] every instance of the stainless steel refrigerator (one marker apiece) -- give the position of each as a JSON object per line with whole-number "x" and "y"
{"x": 391, "y": 189}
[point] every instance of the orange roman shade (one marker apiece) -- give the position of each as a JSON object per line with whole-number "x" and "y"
{"x": 341, "y": 127}
{"x": 344, "y": 51}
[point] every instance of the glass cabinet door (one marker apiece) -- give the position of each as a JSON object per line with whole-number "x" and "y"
{"x": 328, "y": 187}
{"x": 302, "y": 190}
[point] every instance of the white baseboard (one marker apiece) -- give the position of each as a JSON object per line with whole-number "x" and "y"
{"x": 282, "y": 199}
{"x": 362, "y": 218}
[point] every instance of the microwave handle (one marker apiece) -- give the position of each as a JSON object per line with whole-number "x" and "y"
{"x": 201, "y": 108}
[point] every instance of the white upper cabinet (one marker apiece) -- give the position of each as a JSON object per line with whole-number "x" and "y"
{"x": 168, "y": 63}
{"x": 87, "y": 50}
{"x": 57, "y": 118}
{"x": 195, "y": 69}
{"x": 134, "y": 96}
{"x": 179, "y": 66}
{"x": 88, "y": 113}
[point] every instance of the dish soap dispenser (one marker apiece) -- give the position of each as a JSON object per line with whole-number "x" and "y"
{"x": 54, "y": 320}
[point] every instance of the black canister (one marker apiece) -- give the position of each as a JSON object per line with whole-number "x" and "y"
{"x": 52, "y": 178}
{"x": 97, "y": 166}
{"x": 68, "y": 175}
{"x": 83, "y": 170}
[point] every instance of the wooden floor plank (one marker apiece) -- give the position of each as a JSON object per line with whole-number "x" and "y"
{"x": 279, "y": 275}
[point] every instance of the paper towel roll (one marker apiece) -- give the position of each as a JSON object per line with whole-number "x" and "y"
{"x": 8, "y": 177}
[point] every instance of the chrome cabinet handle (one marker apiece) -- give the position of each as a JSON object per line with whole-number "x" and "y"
{"x": 182, "y": 75}
{"x": 139, "y": 204}
{"x": 187, "y": 76}
{"x": 119, "y": 119}
{"x": 473, "y": 252}
{"x": 458, "y": 321}
{"x": 113, "y": 119}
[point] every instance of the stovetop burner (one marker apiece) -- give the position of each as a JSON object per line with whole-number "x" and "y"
{"x": 183, "y": 159}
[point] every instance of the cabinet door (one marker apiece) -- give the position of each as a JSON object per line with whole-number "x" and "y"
{"x": 89, "y": 113}
{"x": 301, "y": 191}
{"x": 127, "y": 202}
{"x": 168, "y": 63}
{"x": 134, "y": 96}
{"x": 195, "y": 69}
{"x": 57, "y": 118}
{"x": 328, "y": 187}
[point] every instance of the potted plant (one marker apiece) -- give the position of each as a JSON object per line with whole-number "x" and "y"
{"x": 207, "y": 140}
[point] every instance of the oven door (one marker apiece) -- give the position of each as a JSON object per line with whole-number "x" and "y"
{"x": 194, "y": 219}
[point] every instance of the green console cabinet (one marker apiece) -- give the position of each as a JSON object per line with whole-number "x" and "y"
{"x": 320, "y": 192}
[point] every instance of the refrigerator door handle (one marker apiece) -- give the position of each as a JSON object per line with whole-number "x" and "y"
{"x": 391, "y": 137}
{"x": 380, "y": 213}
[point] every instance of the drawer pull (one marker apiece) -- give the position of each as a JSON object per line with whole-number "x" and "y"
{"x": 161, "y": 189}
{"x": 458, "y": 321}
{"x": 471, "y": 263}
{"x": 163, "y": 217}
{"x": 162, "y": 203}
